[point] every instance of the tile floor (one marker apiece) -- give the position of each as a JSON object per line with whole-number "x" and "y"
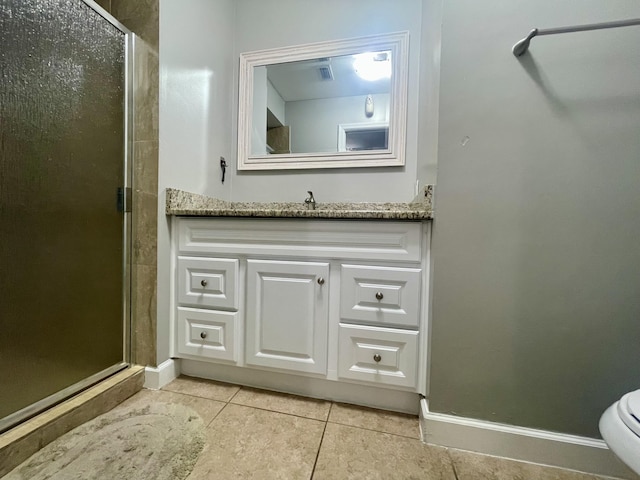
{"x": 256, "y": 434}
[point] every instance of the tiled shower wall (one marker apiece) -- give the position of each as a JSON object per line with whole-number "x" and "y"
{"x": 141, "y": 17}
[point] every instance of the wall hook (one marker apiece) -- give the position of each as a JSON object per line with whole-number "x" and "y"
{"x": 223, "y": 167}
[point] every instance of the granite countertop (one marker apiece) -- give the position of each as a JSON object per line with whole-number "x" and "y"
{"x": 184, "y": 203}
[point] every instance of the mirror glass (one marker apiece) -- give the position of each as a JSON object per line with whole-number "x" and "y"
{"x": 317, "y": 105}
{"x": 327, "y": 105}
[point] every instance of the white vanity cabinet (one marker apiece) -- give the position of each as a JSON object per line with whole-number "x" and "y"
{"x": 263, "y": 301}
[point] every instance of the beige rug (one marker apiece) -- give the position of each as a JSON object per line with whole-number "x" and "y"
{"x": 157, "y": 442}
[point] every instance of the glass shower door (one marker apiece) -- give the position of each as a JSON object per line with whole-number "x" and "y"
{"x": 63, "y": 234}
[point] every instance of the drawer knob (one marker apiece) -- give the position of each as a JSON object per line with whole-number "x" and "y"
{"x": 203, "y": 335}
{"x": 203, "y": 283}
{"x": 377, "y": 357}
{"x": 320, "y": 281}
{"x": 379, "y": 295}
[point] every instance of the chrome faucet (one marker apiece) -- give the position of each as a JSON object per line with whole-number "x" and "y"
{"x": 310, "y": 202}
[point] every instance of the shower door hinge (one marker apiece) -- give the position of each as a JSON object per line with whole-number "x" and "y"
{"x": 124, "y": 199}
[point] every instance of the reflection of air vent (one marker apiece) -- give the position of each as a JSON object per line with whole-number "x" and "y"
{"x": 325, "y": 72}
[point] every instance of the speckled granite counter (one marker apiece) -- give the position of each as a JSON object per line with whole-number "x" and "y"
{"x": 191, "y": 204}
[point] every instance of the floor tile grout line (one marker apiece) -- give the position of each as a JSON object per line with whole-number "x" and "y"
{"x": 313, "y": 470}
{"x": 217, "y": 415}
{"x": 197, "y": 396}
{"x": 230, "y": 402}
{"x": 277, "y": 411}
{"x": 226, "y": 404}
{"x": 281, "y": 394}
{"x": 331, "y": 404}
{"x": 453, "y": 465}
{"x": 235, "y": 394}
{"x": 455, "y": 472}
{"x": 202, "y": 398}
{"x": 374, "y": 430}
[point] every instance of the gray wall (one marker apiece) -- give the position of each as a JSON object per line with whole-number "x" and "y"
{"x": 536, "y": 287}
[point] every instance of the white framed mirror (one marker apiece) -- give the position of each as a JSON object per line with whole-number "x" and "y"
{"x": 335, "y": 104}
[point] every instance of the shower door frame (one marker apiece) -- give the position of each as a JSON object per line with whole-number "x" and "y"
{"x": 23, "y": 414}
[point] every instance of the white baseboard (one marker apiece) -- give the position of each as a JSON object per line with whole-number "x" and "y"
{"x": 526, "y": 444}
{"x": 166, "y": 372}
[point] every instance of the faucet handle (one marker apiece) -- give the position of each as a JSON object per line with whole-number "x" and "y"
{"x": 310, "y": 201}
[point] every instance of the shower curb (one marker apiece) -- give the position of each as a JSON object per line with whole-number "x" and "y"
{"x": 22, "y": 441}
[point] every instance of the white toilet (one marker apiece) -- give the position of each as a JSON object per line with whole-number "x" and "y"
{"x": 620, "y": 428}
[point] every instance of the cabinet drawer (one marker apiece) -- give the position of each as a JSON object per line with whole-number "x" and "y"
{"x": 380, "y": 355}
{"x": 380, "y": 295}
{"x": 208, "y": 282}
{"x": 207, "y": 333}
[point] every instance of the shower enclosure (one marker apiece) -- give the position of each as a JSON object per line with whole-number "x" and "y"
{"x": 64, "y": 173}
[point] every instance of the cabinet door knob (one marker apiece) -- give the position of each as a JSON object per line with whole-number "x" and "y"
{"x": 377, "y": 357}
{"x": 320, "y": 281}
{"x": 203, "y": 283}
{"x": 203, "y": 335}
{"x": 379, "y": 295}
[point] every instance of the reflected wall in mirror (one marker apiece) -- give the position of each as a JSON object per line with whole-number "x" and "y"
{"x": 324, "y": 105}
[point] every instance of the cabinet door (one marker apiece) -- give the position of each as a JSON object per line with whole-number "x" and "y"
{"x": 287, "y": 315}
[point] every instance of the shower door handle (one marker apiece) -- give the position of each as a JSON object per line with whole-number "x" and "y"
{"x": 124, "y": 199}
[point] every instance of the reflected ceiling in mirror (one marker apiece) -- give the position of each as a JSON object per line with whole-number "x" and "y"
{"x": 324, "y": 105}
{"x": 307, "y": 100}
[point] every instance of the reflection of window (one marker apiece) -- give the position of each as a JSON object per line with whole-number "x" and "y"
{"x": 367, "y": 139}
{"x": 363, "y": 136}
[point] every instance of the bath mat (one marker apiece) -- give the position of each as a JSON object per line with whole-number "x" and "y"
{"x": 157, "y": 442}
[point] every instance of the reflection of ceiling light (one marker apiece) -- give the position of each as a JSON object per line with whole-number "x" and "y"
{"x": 372, "y": 66}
